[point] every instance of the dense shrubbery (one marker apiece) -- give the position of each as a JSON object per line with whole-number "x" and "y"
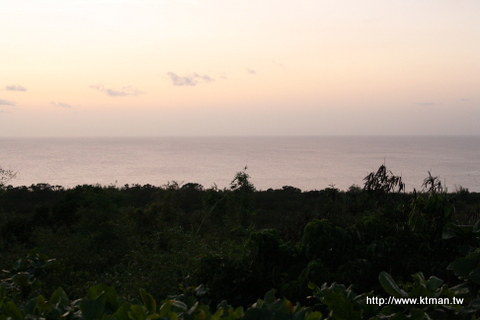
{"x": 239, "y": 243}
{"x": 328, "y": 301}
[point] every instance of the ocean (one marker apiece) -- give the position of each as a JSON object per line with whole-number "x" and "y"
{"x": 307, "y": 163}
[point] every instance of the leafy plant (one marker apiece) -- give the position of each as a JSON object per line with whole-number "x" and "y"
{"x": 240, "y": 200}
{"x": 24, "y": 276}
{"x": 383, "y": 181}
{"x": 425, "y": 299}
{"x": 468, "y": 267}
{"x": 430, "y": 213}
{"x": 432, "y": 184}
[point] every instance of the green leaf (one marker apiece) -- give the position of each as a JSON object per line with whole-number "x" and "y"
{"x": 476, "y": 226}
{"x": 193, "y": 308}
{"x": 165, "y": 308}
{"x": 95, "y": 291}
{"x": 475, "y": 276}
{"x": 314, "y": 316}
{"x": 12, "y": 311}
{"x": 36, "y": 305}
{"x": 148, "y": 301}
{"x": 419, "y": 278}
{"x": 122, "y": 312}
{"x": 113, "y": 301}
{"x": 340, "y": 307}
{"x": 448, "y": 234}
{"x": 137, "y": 313}
{"x": 201, "y": 290}
{"x": 200, "y": 315}
{"x": 93, "y": 308}
{"x": 433, "y": 283}
{"x": 390, "y": 286}
{"x": 238, "y": 313}
{"x": 311, "y": 285}
{"x": 3, "y": 293}
{"x": 461, "y": 267}
{"x": 22, "y": 279}
{"x": 180, "y": 305}
{"x": 270, "y": 296}
{"x": 217, "y": 314}
{"x": 60, "y": 299}
{"x": 460, "y": 290}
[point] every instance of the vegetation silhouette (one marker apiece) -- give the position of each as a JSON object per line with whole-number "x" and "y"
{"x": 189, "y": 248}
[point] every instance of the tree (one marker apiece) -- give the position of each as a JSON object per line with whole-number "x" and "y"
{"x": 432, "y": 184}
{"x": 383, "y": 181}
{"x": 241, "y": 198}
{"x": 6, "y": 176}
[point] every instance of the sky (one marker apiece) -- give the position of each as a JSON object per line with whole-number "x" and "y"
{"x": 236, "y": 67}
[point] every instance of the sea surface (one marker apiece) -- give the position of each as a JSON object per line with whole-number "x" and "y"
{"x": 307, "y": 163}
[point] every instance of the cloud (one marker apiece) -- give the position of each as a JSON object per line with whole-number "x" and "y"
{"x": 188, "y": 80}
{"x": 122, "y": 92}
{"x": 15, "y": 88}
{"x": 61, "y": 104}
{"x": 181, "y": 81}
{"x": 7, "y": 103}
{"x": 250, "y": 71}
{"x": 465, "y": 100}
{"x": 204, "y": 78}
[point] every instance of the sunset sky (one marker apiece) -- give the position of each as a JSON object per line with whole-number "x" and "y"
{"x": 231, "y": 67}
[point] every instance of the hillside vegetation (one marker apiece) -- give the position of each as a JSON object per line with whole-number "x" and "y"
{"x": 187, "y": 252}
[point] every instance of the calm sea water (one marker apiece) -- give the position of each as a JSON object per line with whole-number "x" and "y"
{"x": 307, "y": 163}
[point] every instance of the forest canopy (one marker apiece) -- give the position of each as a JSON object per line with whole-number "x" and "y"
{"x": 329, "y": 250}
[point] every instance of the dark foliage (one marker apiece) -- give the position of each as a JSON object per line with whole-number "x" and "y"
{"x": 241, "y": 242}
